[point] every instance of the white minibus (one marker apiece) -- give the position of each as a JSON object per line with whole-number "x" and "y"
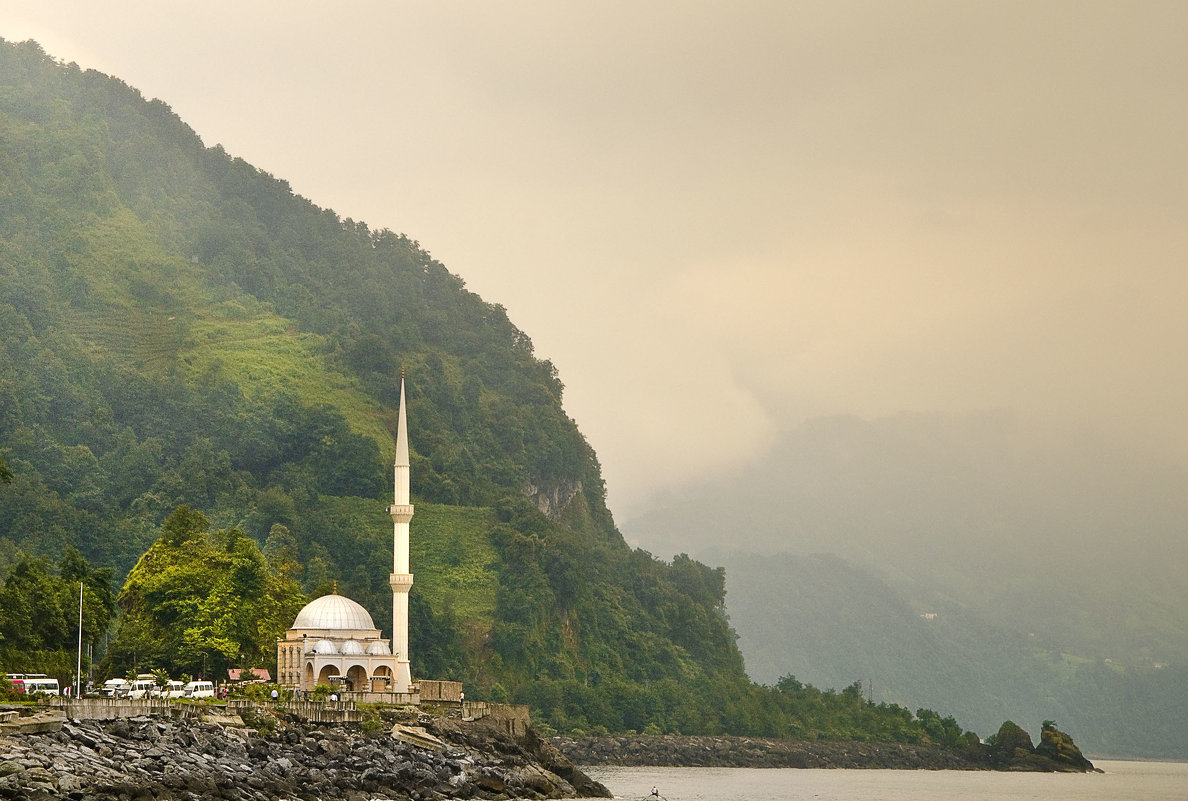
{"x": 141, "y": 688}
{"x": 199, "y": 689}
{"x": 113, "y": 688}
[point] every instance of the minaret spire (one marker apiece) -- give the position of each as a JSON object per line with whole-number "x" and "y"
{"x": 402, "y": 467}
{"x": 401, "y": 579}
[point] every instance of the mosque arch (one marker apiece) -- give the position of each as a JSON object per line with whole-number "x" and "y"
{"x": 381, "y": 679}
{"x": 309, "y": 674}
{"x": 357, "y": 675}
{"x": 326, "y": 672}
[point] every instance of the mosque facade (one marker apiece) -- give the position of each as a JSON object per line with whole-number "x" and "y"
{"x": 334, "y": 640}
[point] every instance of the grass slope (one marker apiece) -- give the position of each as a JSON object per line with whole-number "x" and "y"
{"x": 146, "y": 306}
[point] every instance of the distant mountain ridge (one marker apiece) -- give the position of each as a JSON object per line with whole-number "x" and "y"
{"x": 1045, "y": 579}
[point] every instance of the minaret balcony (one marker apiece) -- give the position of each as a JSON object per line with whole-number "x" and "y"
{"x": 401, "y": 513}
{"x": 400, "y": 582}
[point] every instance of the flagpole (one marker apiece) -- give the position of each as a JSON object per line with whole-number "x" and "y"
{"x": 78, "y": 670}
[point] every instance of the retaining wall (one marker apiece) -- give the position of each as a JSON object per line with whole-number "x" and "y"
{"x": 113, "y": 708}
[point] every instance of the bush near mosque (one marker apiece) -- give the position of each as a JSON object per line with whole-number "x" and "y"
{"x": 199, "y": 602}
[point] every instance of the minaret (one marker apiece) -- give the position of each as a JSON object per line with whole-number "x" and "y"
{"x": 401, "y": 579}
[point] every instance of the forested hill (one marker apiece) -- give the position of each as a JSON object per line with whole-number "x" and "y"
{"x": 167, "y": 305}
{"x": 180, "y": 330}
{"x": 140, "y": 250}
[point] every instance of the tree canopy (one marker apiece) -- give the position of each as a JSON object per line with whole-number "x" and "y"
{"x": 201, "y": 600}
{"x": 39, "y": 613}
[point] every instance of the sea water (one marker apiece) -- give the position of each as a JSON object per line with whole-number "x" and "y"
{"x": 1122, "y": 781}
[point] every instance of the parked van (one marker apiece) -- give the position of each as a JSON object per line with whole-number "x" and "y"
{"x": 199, "y": 689}
{"x": 113, "y": 688}
{"x": 142, "y": 687}
{"x": 173, "y": 689}
{"x": 30, "y": 683}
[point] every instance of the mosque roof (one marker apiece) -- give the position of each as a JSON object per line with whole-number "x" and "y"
{"x": 333, "y": 612}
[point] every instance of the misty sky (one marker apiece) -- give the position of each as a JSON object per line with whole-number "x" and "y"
{"x": 721, "y": 219}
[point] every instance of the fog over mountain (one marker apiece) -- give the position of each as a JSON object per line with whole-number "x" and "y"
{"x": 982, "y": 509}
{"x": 742, "y": 216}
{"x": 973, "y": 563}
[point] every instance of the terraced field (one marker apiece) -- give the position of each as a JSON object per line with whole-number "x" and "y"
{"x": 148, "y": 339}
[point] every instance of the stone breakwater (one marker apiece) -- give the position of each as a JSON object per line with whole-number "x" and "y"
{"x": 152, "y": 759}
{"x": 755, "y": 752}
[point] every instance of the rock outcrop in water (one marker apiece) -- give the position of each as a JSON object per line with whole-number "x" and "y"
{"x": 1011, "y": 749}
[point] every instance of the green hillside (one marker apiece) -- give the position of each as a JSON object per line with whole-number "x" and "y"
{"x": 198, "y": 375}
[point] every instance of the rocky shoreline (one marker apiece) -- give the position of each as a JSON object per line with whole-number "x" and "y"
{"x": 755, "y": 752}
{"x": 158, "y": 759}
{"x": 413, "y": 756}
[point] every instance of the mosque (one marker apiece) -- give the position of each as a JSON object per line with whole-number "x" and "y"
{"x": 334, "y": 641}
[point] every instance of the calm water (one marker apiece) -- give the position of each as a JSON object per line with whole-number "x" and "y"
{"x": 1122, "y": 781}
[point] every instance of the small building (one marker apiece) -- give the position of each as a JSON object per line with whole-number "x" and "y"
{"x": 248, "y": 675}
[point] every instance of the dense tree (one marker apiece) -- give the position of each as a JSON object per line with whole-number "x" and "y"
{"x": 201, "y": 600}
{"x": 39, "y": 613}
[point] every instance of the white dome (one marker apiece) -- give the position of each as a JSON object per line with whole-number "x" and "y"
{"x": 333, "y": 612}
{"x": 351, "y": 647}
{"x": 324, "y": 647}
{"x": 378, "y": 648}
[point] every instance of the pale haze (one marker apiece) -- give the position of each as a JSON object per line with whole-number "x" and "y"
{"x": 719, "y": 220}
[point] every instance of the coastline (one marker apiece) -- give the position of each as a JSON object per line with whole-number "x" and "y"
{"x": 725, "y": 751}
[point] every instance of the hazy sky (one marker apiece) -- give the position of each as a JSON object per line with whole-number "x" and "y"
{"x": 721, "y": 218}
